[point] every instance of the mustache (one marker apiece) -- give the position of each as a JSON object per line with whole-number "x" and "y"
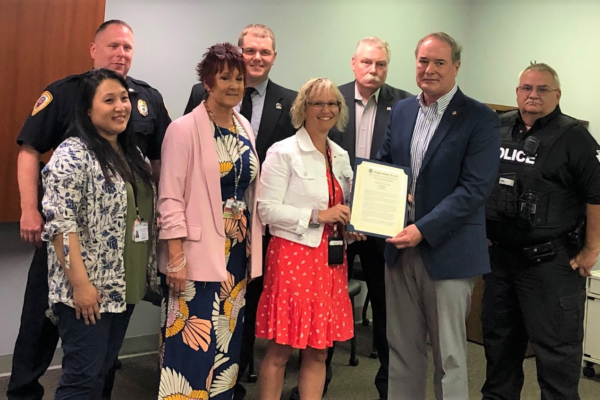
{"x": 372, "y": 78}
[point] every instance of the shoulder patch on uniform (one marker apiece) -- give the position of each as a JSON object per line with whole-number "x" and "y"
{"x": 142, "y": 107}
{"x": 42, "y": 102}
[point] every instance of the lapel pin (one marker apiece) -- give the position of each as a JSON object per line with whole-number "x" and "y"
{"x": 453, "y": 112}
{"x": 278, "y": 106}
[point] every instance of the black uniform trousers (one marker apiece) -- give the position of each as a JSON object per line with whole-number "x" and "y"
{"x": 370, "y": 252}
{"x": 543, "y": 303}
{"x": 38, "y": 336}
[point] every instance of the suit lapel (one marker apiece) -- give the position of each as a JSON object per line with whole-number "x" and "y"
{"x": 410, "y": 114}
{"x": 382, "y": 116}
{"x": 349, "y": 136}
{"x": 450, "y": 116}
{"x": 270, "y": 115}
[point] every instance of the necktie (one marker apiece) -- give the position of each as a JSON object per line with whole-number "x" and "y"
{"x": 246, "y": 109}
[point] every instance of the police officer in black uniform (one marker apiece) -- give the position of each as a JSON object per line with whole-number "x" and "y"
{"x": 543, "y": 224}
{"x": 43, "y": 130}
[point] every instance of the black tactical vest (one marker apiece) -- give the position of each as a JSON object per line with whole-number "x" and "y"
{"x": 522, "y": 197}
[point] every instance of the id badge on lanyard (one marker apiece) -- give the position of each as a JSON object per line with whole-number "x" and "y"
{"x": 335, "y": 248}
{"x": 234, "y": 209}
{"x": 140, "y": 231}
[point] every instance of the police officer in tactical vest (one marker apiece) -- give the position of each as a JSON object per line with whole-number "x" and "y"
{"x": 543, "y": 226}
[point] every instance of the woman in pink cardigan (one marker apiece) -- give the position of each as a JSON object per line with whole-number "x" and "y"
{"x": 210, "y": 234}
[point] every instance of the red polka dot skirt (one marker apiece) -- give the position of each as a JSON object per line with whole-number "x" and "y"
{"x": 304, "y": 302}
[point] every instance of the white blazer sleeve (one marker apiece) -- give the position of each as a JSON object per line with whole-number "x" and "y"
{"x": 274, "y": 182}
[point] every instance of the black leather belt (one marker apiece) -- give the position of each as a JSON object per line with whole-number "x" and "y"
{"x": 546, "y": 251}
{"x": 557, "y": 244}
{"x": 541, "y": 252}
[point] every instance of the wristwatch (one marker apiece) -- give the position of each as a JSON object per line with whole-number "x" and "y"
{"x": 314, "y": 219}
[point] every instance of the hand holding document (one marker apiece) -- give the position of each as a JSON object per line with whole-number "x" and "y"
{"x": 379, "y": 198}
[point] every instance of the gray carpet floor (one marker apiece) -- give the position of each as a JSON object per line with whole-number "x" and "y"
{"x": 138, "y": 379}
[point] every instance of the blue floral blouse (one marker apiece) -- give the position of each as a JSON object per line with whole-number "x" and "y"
{"x": 78, "y": 199}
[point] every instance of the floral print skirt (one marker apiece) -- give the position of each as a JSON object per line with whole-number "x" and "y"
{"x": 202, "y": 334}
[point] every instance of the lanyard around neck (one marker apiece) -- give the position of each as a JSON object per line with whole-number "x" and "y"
{"x": 331, "y": 176}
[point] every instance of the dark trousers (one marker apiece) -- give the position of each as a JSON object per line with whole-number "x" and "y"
{"x": 38, "y": 336}
{"x": 89, "y": 351}
{"x": 253, "y": 291}
{"x": 543, "y": 303}
{"x": 370, "y": 252}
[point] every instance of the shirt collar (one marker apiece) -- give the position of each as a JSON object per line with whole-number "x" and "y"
{"x": 131, "y": 84}
{"x": 541, "y": 122}
{"x": 357, "y": 96}
{"x": 442, "y": 103}
{"x": 261, "y": 88}
{"x": 305, "y": 143}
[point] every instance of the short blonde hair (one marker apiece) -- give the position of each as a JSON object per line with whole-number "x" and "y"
{"x": 313, "y": 86}
{"x": 377, "y": 42}
{"x": 258, "y": 30}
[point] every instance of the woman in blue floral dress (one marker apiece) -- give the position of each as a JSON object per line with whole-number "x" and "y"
{"x": 99, "y": 209}
{"x": 210, "y": 234}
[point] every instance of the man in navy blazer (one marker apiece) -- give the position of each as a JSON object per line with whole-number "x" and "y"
{"x": 269, "y": 114}
{"x": 451, "y": 143}
{"x": 369, "y": 101}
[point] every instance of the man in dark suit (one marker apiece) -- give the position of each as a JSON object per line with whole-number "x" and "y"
{"x": 451, "y": 143}
{"x": 267, "y": 106}
{"x": 369, "y": 101}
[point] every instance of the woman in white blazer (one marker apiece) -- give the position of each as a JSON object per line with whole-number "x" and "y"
{"x": 303, "y": 197}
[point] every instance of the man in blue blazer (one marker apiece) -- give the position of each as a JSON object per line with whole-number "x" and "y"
{"x": 451, "y": 143}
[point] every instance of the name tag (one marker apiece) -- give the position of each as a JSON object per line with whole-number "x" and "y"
{"x": 140, "y": 231}
{"x": 234, "y": 209}
{"x": 507, "y": 182}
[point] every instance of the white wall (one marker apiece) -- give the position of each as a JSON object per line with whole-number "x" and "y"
{"x": 314, "y": 38}
{"x": 504, "y": 36}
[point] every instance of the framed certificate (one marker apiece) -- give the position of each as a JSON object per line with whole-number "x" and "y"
{"x": 379, "y": 198}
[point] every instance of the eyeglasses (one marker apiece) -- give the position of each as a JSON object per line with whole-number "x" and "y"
{"x": 541, "y": 90}
{"x": 321, "y": 104}
{"x": 221, "y": 51}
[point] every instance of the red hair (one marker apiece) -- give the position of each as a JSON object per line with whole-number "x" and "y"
{"x": 216, "y": 59}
